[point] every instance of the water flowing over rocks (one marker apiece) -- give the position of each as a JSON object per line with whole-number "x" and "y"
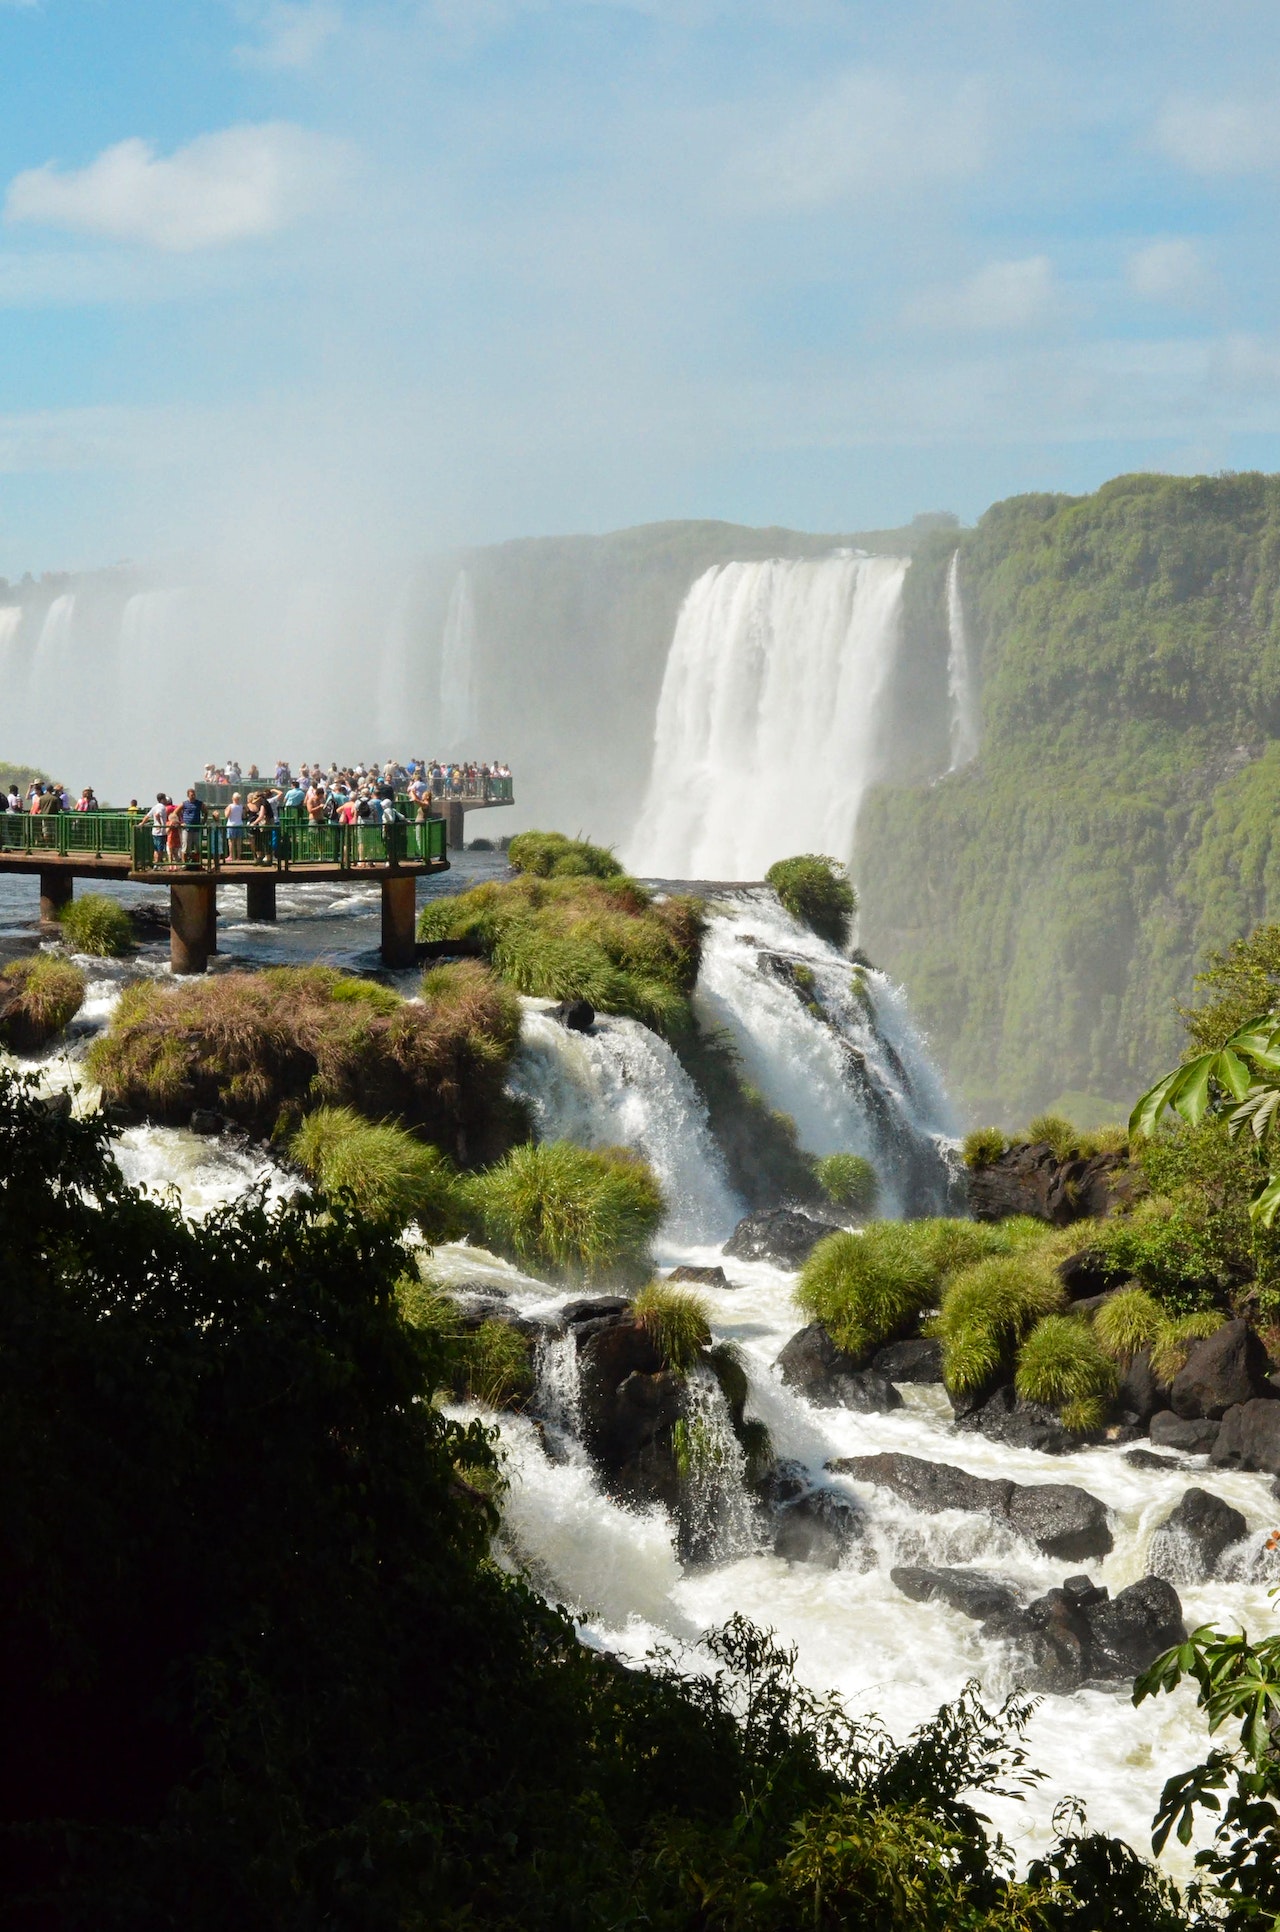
{"x": 781, "y": 1235}
{"x": 1079, "y": 1634}
{"x": 812, "y": 1364}
{"x": 813, "y": 1524}
{"x": 1189, "y": 1545}
{"x": 1060, "y": 1519}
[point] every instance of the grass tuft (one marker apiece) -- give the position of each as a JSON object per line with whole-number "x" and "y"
{"x": 384, "y": 1172}
{"x": 1128, "y": 1322}
{"x": 579, "y": 1213}
{"x": 848, "y": 1181}
{"x": 95, "y": 924}
{"x": 679, "y": 1325}
{"x": 1058, "y": 1133}
{"x": 1063, "y": 1364}
{"x": 550, "y": 855}
{"x": 983, "y": 1146}
{"x": 987, "y": 1310}
{"x": 816, "y": 891}
{"x": 38, "y": 998}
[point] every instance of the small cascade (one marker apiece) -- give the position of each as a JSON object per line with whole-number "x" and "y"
{"x": 621, "y": 1086}
{"x": 457, "y": 666}
{"x": 717, "y": 1520}
{"x": 960, "y": 684}
{"x": 557, "y": 1387}
{"x": 767, "y": 723}
{"x": 830, "y": 1044}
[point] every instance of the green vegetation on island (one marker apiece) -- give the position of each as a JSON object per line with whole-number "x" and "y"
{"x": 817, "y": 892}
{"x": 97, "y": 925}
{"x": 39, "y": 997}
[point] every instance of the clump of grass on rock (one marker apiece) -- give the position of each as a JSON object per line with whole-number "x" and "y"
{"x": 265, "y": 1048}
{"x": 848, "y": 1181}
{"x": 1063, "y": 1364}
{"x": 573, "y": 1212}
{"x": 97, "y": 925}
{"x": 984, "y": 1145}
{"x": 678, "y": 1324}
{"x": 382, "y": 1170}
{"x": 987, "y": 1311}
{"x": 816, "y": 891}
{"x": 550, "y": 855}
{"x": 38, "y": 998}
{"x": 606, "y": 940}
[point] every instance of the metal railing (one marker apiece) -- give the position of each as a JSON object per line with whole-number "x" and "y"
{"x": 481, "y": 791}
{"x": 288, "y": 844}
{"x": 66, "y": 835}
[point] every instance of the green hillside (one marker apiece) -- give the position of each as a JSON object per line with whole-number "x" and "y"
{"x": 1046, "y": 905}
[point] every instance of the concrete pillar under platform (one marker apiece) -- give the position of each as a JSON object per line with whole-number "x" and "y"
{"x": 457, "y": 825}
{"x": 56, "y": 891}
{"x": 212, "y": 933}
{"x": 260, "y": 900}
{"x": 399, "y": 911}
{"x": 191, "y": 917}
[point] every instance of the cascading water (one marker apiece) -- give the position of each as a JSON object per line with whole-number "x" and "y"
{"x": 830, "y": 1044}
{"x": 622, "y": 1086}
{"x": 960, "y": 686}
{"x": 457, "y": 667}
{"x": 766, "y": 733}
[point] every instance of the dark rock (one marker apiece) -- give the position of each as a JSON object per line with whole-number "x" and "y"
{"x": 1088, "y": 1277}
{"x": 709, "y": 1277}
{"x": 1130, "y": 1631}
{"x": 820, "y": 1527}
{"x": 1030, "y": 1179}
{"x": 626, "y": 1397}
{"x": 1144, "y": 1459}
{"x": 829, "y": 1379}
{"x": 578, "y": 1015}
{"x": 973, "y": 1592}
{"x": 782, "y": 1483}
{"x": 1189, "y": 1544}
{"x": 1249, "y": 1437}
{"x": 1169, "y": 1431}
{"x": 1052, "y": 1638}
{"x": 479, "y": 845}
{"x": 593, "y": 1308}
{"x": 1083, "y": 1592}
{"x": 205, "y": 1122}
{"x": 1226, "y": 1368}
{"x": 917, "y": 1360}
{"x": 1079, "y": 1634}
{"x": 779, "y": 1235}
{"x": 1139, "y": 1393}
{"x": 1003, "y": 1417}
{"x": 1063, "y": 1520}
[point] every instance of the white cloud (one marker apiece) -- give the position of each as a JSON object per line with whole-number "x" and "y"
{"x": 1167, "y": 271}
{"x": 1003, "y": 295}
{"x": 869, "y": 134}
{"x": 1220, "y": 137}
{"x": 292, "y": 32}
{"x": 240, "y": 184}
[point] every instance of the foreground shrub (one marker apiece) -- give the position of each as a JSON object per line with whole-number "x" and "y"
{"x": 603, "y": 940}
{"x": 679, "y": 1325}
{"x": 550, "y": 855}
{"x": 384, "y": 1172}
{"x": 571, "y": 1211}
{"x": 95, "y": 924}
{"x": 817, "y": 892}
{"x": 849, "y": 1181}
{"x": 266, "y": 1048}
{"x": 1063, "y": 1365}
{"x": 38, "y": 998}
{"x": 987, "y": 1310}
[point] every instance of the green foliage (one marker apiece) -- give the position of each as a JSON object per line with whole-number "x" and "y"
{"x": 576, "y": 1213}
{"x": 983, "y": 1145}
{"x": 1129, "y": 1322}
{"x": 384, "y": 1172}
{"x": 1062, "y": 1364}
{"x": 489, "y": 1362}
{"x": 1174, "y": 1342}
{"x": 817, "y": 892}
{"x": 266, "y": 1048}
{"x": 1056, "y": 1132}
{"x": 848, "y": 1181}
{"x": 1238, "y": 983}
{"x": 987, "y": 1311}
{"x": 39, "y": 996}
{"x": 550, "y": 855}
{"x": 603, "y": 940}
{"x": 678, "y": 1324}
{"x": 95, "y": 924}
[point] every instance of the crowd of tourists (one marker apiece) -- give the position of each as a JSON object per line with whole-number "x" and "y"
{"x": 441, "y": 778}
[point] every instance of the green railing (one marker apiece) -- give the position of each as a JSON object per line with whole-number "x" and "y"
{"x": 68, "y": 835}
{"x": 281, "y": 847}
{"x": 484, "y": 791}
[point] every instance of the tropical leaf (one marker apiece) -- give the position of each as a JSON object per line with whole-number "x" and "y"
{"x": 1266, "y": 1202}
{"x": 1257, "y": 1110}
{"x": 1191, "y": 1089}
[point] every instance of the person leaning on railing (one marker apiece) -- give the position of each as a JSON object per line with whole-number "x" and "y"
{"x": 235, "y": 828}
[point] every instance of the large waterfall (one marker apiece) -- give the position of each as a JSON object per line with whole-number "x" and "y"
{"x": 766, "y": 733}
{"x": 960, "y": 685}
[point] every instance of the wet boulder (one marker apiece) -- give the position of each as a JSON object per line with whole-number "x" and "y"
{"x": 1249, "y": 1437}
{"x": 1004, "y": 1417}
{"x": 1189, "y": 1544}
{"x": 926, "y": 1486}
{"x": 1079, "y": 1634}
{"x": 593, "y": 1308}
{"x": 1140, "y": 1394}
{"x": 1129, "y": 1632}
{"x": 578, "y": 1015}
{"x": 1147, "y": 1459}
{"x": 703, "y": 1277}
{"x": 1030, "y": 1179}
{"x": 818, "y": 1526}
{"x": 1061, "y": 1519}
{"x": 975, "y": 1593}
{"x": 782, "y": 1236}
{"x": 1195, "y": 1438}
{"x": 1226, "y": 1368}
{"x": 629, "y": 1405}
{"x": 916, "y": 1360}
{"x": 813, "y": 1366}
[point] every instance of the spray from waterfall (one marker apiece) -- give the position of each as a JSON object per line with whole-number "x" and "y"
{"x": 960, "y": 685}
{"x": 457, "y": 666}
{"x": 766, "y": 734}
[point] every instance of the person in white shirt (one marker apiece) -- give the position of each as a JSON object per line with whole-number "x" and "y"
{"x": 235, "y": 827}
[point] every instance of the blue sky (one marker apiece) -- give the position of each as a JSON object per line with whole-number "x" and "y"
{"x": 287, "y": 276}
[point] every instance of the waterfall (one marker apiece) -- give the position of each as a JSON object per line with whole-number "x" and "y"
{"x": 717, "y": 1520}
{"x": 960, "y": 688}
{"x": 457, "y": 667}
{"x": 830, "y": 1044}
{"x": 766, "y": 733}
{"x": 556, "y": 1378}
{"x": 622, "y": 1086}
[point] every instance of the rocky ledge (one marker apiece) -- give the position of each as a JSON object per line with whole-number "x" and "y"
{"x": 1061, "y": 1519}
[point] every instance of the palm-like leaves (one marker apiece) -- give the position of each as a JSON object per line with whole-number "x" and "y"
{"x": 1245, "y": 1069}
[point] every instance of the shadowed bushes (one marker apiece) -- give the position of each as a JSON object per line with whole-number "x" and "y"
{"x": 266, "y": 1048}
{"x": 1063, "y": 1364}
{"x": 38, "y": 998}
{"x": 603, "y": 940}
{"x": 384, "y": 1172}
{"x": 576, "y": 1213}
{"x": 95, "y": 924}
{"x": 816, "y": 891}
{"x": 550, "y": 855}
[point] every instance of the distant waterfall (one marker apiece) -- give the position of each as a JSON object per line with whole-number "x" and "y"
{"x": 960, "y": 689}
{"x": 766, "y": 731}
{"x": 457, "y": 667}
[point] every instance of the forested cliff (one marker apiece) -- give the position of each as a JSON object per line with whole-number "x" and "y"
{"x": 1046, "y": 905}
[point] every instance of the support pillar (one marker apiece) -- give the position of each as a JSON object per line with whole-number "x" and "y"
{"x": 56, "y": 890}
{"x": 457, "y": 825}
{"x": 260, "y": 900}
{"x": 212, "y": 933}
{"x": 399, "y": 909}
{"x": 191, "y": 906}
